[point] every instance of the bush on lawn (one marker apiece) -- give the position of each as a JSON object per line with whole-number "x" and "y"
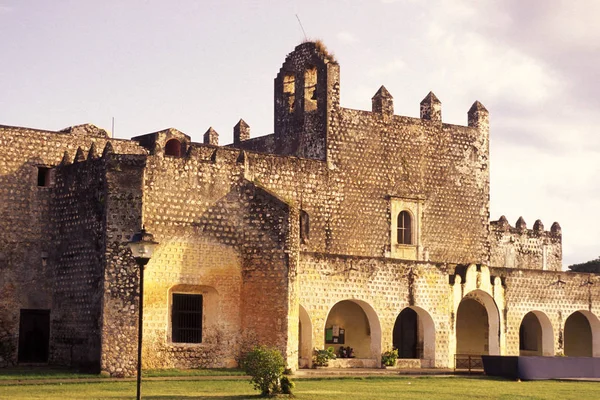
{"x": 265, "y": 365}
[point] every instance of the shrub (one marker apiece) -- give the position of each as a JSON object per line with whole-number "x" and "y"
{"x": 321, "y": 357}
{"x": 389, "y": 358}
{"x": 265, "y": 365}
{"x": 287, "y": 385}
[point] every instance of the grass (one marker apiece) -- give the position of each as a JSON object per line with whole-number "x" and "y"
{"x": 29, "y": 373}
{"x": 356, "y": 389}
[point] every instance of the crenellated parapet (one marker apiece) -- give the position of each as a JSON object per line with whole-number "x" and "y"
{"x": 520, "y": 247}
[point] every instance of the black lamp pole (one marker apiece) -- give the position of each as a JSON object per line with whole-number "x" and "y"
{"x": 142, "y": 245}
{"x": 142, "y": 264}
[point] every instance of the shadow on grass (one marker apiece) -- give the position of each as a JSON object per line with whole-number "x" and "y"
{"x": 234, "y": 397}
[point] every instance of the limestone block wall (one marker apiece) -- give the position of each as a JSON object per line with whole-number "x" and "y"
{"x": 383, "y": 288}
{"x": 519, "y": 247}
{"x": 373, "y": 157}
{"x": 120, "y": 297}
{"x": 306, "y": 94}
{"x": 554, "y": 294}
{"x": 77, "y": 257}
{"x": 26, "y": 233}
{"x": 221, "y": 236}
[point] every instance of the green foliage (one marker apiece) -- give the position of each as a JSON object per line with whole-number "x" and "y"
{"x": 321, "y": 357}
{"x": 265, "y": 365}
{"x": 589, "y": 266}
{"x": 287, "y": 385}
{"x": 389, "y": 358}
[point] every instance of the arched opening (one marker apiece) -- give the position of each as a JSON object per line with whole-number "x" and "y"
{"x": 305, "y": 346}
{"x": 406, "y": 334}
{"x": 582, "y": 335}
{"x": 173, "y": 148}
{"x": 414, "y": 335}
{"x": 354, "y": 324}
{"x": 404, "y": 224}
{"x": 310, "y": 89}
{"x": 535, "y": 335}
{"x": 289, "y": 89}
{"x": 477, "y": 325}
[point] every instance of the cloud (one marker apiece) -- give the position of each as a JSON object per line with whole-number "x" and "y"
{"x": 346, "y": 37}
{"x": 387, "y": 69}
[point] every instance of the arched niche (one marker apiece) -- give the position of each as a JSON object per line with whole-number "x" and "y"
{"x": 536, "y": 336}
{"x": 582, "y": 335}
{"x": 362, "y": 329}
{"x": 173, "y": 148}
{"x": 477, "y": 325}
{"x": 414, "y": 334}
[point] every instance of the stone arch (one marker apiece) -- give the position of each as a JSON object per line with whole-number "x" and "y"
{"x": 477, "y": 324}
{"x": 305, "y": 339}
{"x": 536, "y": 336}
{"x": 173, "y": 148}
{"x": 582, "y": 335}
{"x": 366, "y": 343}
{"x": 424, "y": 335}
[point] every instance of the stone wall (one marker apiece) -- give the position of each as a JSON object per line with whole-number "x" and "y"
{"x": 383, "y": 286}
{"x": 221, "y": 236}
{"x": 78, "y": 216}
{"x": 373, "y": 158}
{"x": 555, "y": 294}
{"x": 519, "y": 247}
{"x": 26, "y": 230}
{"x": 120, "y": 298}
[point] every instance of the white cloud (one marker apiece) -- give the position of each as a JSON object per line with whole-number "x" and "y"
{"x": 387, "y": 69}
{"x": 346, "y": 37}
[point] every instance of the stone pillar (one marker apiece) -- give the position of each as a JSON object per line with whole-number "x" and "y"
{"x": 241, "y": 132}
{"x": 383, "y": 102}
{"x": 211, "y": 137}
{"x": 431, "y": 108}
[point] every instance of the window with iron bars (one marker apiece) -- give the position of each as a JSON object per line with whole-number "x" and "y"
{"x": 187, "y": 318}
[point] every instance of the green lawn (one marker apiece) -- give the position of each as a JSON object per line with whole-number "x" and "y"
{"x": 45, "y": 372}
{"x": 354, "y": 389}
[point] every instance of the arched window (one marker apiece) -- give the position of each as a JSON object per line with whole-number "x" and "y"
{"x": 404, "y": 228}
{"x": 173, "y": 148}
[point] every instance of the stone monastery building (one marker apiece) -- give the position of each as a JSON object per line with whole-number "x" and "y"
{"x": 361, "y": 229}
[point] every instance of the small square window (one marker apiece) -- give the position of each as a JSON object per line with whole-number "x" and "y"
{"x": 44, "y": 176}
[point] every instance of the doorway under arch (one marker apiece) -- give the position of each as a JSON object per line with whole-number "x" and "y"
{"x": 355, "y": 324}
{"x": 305, "y": 346}
{"x": 536, "y": 337}
{"x": 414, "y": 334}
{"x": 477, "y": 325}
{"x": 582, "y": 335}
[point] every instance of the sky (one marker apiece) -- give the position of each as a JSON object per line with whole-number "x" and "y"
{"x": 191, "y": 65}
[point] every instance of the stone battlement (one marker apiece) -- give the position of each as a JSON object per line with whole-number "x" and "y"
{"x": 519, "y": 247}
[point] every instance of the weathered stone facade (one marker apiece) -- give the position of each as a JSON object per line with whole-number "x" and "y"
{"x": 343, "y": 227}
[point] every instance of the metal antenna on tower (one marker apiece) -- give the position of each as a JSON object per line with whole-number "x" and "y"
{"x": 301, "y": 27}
{"x": 113, "y": 127}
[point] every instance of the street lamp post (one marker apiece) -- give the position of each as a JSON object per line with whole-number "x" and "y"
{"x": 142, "y": 246}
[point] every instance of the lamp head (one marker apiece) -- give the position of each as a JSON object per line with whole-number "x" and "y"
{"x": 142, "y": 246}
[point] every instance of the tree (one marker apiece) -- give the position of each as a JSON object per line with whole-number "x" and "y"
{"x": 589, "y": 266}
